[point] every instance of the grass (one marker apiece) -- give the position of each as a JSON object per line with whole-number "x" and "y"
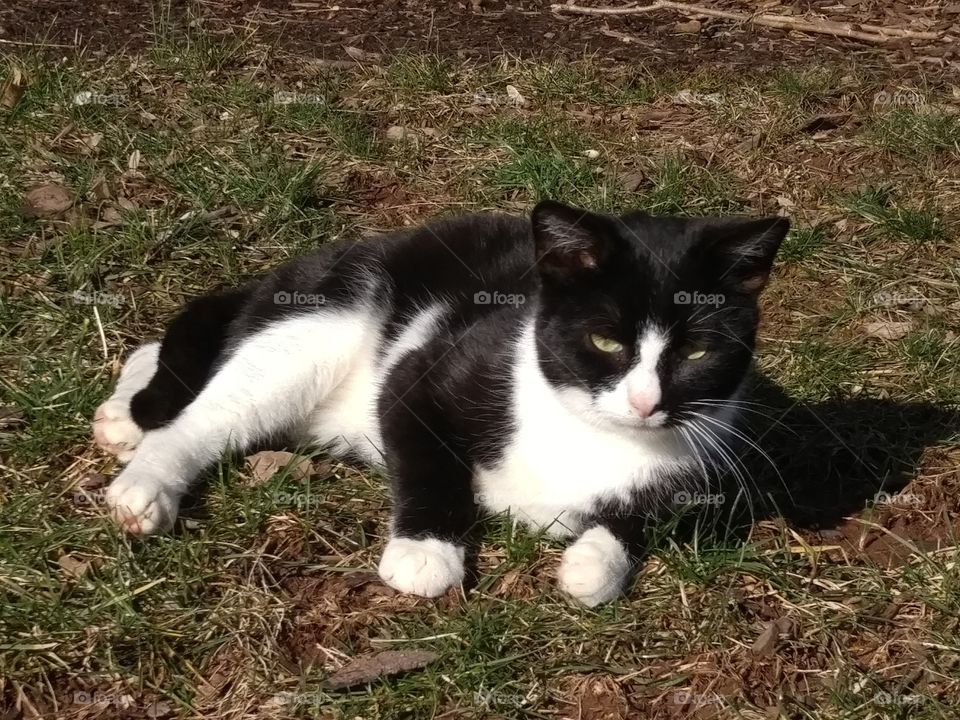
{"x": 266, "y": 588}
{"x": 877, "y": 205}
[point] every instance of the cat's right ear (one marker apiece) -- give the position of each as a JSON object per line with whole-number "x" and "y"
{"x": 569, "y": 242}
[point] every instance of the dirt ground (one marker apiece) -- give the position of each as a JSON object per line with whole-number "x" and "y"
{"x": 483, "y": 28}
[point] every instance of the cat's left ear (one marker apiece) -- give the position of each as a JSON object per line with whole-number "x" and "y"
{"x": 744, "y": 249}
{"x": 569, "y": 242}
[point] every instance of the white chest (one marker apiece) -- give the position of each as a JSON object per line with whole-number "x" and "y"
{"x": 559, "y": 464}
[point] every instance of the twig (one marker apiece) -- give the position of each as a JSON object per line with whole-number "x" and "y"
{"x": 868, "y": 33}
{"x": 24, "y": 43}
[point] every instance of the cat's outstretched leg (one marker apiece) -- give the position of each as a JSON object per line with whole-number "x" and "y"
{"x": 114, "y": 429}
{"x": 269, "y": 383}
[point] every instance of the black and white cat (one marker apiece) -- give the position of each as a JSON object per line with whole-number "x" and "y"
{"x": 569, "y": 368}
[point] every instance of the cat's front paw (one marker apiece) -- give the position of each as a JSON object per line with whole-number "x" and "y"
{"x": 115, "y": 431}
{"x": 142, "y": 504}
{"x": 595, "y": 568}
{"x": 427, "y": 567}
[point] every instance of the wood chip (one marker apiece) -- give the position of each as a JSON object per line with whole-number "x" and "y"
{"x": 367, "y": 668}
{"x": 829, "y": 121}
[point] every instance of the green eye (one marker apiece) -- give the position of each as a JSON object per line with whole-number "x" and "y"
{"x": 605, "y": 344}
{"x": 693, "y": 352}
{"x": 696, "y": 354}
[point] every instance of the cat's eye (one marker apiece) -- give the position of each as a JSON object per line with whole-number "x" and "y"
{"x": 605, "y": 344}
{"x": 693, "y": 352}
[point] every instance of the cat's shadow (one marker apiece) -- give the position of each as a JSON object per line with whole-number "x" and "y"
{"x": 825, "y": 461}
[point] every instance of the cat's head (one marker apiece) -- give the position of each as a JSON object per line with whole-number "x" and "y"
{"x": 644, "y": 320}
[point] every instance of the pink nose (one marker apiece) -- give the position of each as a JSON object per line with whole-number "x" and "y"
{"x": 643, "y": 405}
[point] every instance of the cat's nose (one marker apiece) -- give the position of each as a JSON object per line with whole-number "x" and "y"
{"x": 643, "y": 405}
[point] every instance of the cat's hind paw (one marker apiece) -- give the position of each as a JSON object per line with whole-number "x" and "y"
{"x": 595, "y": 568}
{"x": 142, "y": 505}
{"x": 427, "y": 567}
{"x": 115, "y": 431}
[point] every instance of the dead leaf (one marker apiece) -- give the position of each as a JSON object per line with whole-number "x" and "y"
{"x": 46, "y": 201}
{"x": 110, "y": 216}
{"x": 133, "y": 161}
{"x": 72, "y": 568}
{"x": 632, "y": 181}
{"x": 101, "y": 188}
{"x": 359, "y": 54}
{"x": 159, "y": 709}
{"x": 264, "y": 465}
{"x": 367, "y": 668}
{"x": 766, "y": 643}
{"x": 13, "y": 89}
{"x": 126, "y": 204}
{"x": 751, "y": 143}
{"x": 887, "y": 330}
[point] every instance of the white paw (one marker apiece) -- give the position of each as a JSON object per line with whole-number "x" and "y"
{"x": 421, "y": 567}
{"x": 114, "y": 429}
{"x": 142, "y": 504}
{"x": 595, "y": 568}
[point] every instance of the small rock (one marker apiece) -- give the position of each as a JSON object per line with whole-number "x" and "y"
{"x": 514, "y": 96}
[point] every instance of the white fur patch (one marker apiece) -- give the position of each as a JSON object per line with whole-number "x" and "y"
{"x": 143, "y": 504}
{"x": 638, "y": 392}
{"x": 595, "y": 568}
{"x": 565, "y": 455}
{"x": 113, "y": 428}
{"x": 427, "y": 567}
{"x": 347, "y": 418}
{"x": 271, "y": 383}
